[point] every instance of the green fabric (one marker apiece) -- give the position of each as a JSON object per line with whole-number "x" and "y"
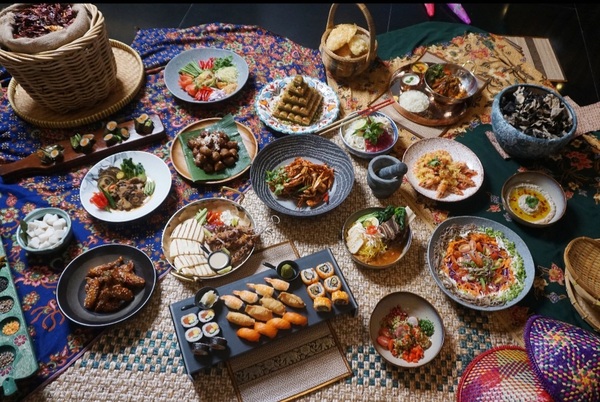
{"x": 401, "y": 42}
{"x": 547, "y": 245}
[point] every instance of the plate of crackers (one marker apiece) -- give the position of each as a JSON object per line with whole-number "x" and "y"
{"x": 297, "y": 105}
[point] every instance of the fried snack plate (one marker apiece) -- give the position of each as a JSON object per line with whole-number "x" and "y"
{"x": 70, "y": 289}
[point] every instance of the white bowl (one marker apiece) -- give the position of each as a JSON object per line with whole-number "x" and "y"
{"x": 38, "y": 214}
{"x": 540, "y": 182}
{"x": 393, "y": 132}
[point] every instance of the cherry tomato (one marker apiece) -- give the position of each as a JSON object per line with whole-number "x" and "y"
{"x": 371, "y": 229}
{"x": 191, "y": 89}
{"x": 385, "y": 332}
{"x": 384, "y": 341}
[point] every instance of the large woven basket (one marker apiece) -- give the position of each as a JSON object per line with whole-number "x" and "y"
{"x": 348, "y": 67}
{"x": 76, "y": 75}
{"x": 582, "y": 261}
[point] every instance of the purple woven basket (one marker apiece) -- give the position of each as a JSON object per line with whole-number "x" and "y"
{"x": 565, "y": 358}
{"x": 501, "y": 374}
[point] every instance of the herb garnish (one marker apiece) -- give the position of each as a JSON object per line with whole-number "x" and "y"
{"x": 370, "y": 131}
{"x": 531, "y": 201}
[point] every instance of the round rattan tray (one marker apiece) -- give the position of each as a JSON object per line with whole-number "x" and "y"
{"x": 130, "y": 77}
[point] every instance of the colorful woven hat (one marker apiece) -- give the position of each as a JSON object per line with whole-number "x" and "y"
{"x": 565, "y": 358}
{"x": 501, "y": 374}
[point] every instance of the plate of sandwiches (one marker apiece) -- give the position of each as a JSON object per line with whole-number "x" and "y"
{"x": 297, "y": 105}
{"x": 203, "y": 227}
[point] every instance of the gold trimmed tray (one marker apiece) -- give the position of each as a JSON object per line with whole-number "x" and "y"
{"x": 130, "y": 77}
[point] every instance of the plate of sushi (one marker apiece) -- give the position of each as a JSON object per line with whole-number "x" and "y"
{"x": 256, "y": 310}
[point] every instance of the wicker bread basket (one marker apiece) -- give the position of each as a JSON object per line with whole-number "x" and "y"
{"x": 348, "y": 67}
{"x": 582, "y": 261}
{"x": 78, "y": 74}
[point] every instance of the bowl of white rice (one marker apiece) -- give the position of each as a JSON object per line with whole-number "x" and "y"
{"x": 358, "y": 138}
{"x": 414, "y": 101}
{"x": 45, "y": 231}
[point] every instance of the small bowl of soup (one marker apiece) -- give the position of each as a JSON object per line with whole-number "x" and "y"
{"x": 378, "y": 237}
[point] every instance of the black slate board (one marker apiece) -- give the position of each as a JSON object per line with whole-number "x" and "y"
{"x": 237, "y": 346}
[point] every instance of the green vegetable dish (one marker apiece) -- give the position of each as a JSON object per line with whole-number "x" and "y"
{"x": 123, "y": 188}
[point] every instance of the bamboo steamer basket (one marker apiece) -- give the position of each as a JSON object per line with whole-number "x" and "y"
{"x": 76, "y": 75}
{"x": 348, "y": 67}
{"x": 582, "y": 262}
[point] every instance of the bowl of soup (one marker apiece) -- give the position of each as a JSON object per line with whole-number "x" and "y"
{"x": 378, "y": 237}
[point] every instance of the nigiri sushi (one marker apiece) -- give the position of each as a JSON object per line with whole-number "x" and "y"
{"x": 263, "y": 290}
{"x": 280, "y": 323}
{"x": 246, "y": 295}
{"x": 232, "y": 302}
{"x": 265, "y": 329}
{"x": 291, "y": 300}
{"x": 295, "y": 318}
{"x": 273, "y": 304}
{"x": 278, "y": 284}
{"x": 240, "y": 319}
{"x": 259, "y": 312}
{"x": 249, "y": 334}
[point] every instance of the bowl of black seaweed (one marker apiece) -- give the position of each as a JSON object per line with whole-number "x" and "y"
{"x": 532, "y": 121}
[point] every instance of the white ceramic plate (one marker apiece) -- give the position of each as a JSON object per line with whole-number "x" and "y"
{"x": 413, "y": 305}
{"x": 171, "y": 75}
{"x": 269, "y": 96}
{"x": 459, "y": 153}
{"x": 156, "y": 170}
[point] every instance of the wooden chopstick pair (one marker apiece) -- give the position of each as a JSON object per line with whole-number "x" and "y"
{"x": 356, "y": 115}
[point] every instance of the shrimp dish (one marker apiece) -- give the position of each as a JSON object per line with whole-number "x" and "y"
{"x": 437, "y": 171}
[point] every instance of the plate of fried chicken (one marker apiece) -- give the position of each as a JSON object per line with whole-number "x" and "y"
{"x": 106, "y": 285}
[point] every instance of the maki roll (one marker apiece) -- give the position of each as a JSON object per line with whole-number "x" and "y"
{"x": 143, "y": 124}
{"x": 206, "y": 315}
{"x": 124, "y": 133}
{"x": 111, "y": 127}
{"x": 315, "y": 290}
{"x": 309, "y": 276}
{"x": 193, "y": 334}
{"x": 200, "y": 349}
{"x": 332, "y": 283}
{"x": 189, "y": 320}
{"x": 325, "y": 270}
{"x": 211, "y": 329}
{"x": 340, "y": 298}
{"x": 110, "y": 139}
{"x": 218, "y": 343}
{"x": 322, "y": 304}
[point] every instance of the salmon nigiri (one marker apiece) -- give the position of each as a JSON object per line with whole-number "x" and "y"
{"x": 265, "y": 329}
{"x": 295, "y": 318}
{"x": 280, "y": 323}
{"x": 248, "y": 334}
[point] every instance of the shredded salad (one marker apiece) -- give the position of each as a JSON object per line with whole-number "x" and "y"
{"x": 406, "y": 337}
{"x": 482, "y": 266}
{"x": 209, "y": 80}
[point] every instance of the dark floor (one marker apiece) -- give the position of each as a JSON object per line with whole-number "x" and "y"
{"x": 573, "y": 28}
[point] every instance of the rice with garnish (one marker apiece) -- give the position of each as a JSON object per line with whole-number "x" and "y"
{"x": 414, "y": 101}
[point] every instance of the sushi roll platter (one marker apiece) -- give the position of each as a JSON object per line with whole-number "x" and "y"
{"x": 253, "y": 311}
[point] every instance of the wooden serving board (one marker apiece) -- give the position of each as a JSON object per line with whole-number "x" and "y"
{"x": 32, "y": 164}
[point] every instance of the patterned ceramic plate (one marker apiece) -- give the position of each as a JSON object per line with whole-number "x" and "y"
{"x": 316, "y": 149}
{"x": 269, "y": 96}
{"x": 458, "y": 152}
{"x": 413, "y": 305}
{"x": 156, "y": 171}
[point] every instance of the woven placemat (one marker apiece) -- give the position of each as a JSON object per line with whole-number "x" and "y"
{"x": 130, "y": 77}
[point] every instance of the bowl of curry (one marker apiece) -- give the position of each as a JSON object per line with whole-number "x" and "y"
{"x": 450, "y": 83}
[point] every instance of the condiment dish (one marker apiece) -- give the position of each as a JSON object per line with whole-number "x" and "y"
{"x": 45, "y": 231}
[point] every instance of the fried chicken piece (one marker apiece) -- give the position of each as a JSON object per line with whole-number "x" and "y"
{"x": 120, "y": 292}
{"x": 102, "y": 269}
{"x": 92, "y": 290}
{"x": 128, "y": 278}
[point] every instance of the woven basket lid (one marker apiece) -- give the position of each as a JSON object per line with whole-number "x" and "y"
{"x": 502, "y": 373}
{"x": 565, "y": 358}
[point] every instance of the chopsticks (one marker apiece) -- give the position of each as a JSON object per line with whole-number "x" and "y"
{"x": 356, "y": 115}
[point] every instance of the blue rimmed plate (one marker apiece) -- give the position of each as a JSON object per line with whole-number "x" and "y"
{"x": 313, "y": 148}
{"x": 269, "y": 96}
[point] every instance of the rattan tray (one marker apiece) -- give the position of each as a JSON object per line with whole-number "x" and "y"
{"x": 130, "y": 77}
